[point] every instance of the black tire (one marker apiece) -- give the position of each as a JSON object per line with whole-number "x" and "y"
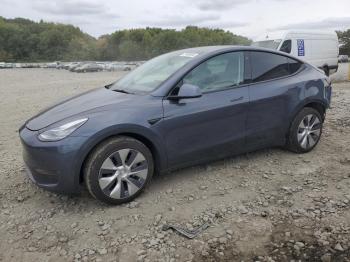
{"x": 292, "y": 139}
{"x": 97, "y": 157}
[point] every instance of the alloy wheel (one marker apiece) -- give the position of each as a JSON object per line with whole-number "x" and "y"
{"x": 309, "y": 131}
{"x": 123, "y": 173}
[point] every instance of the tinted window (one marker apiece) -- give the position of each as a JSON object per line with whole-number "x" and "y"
{"x": 266, "y": 66}
{"x": 294, "y": 65}
{"x": 220, "y": 72}
{"x": 286, "y": 46}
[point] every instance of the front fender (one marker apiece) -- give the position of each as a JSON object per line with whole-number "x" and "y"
{"x": 123, "y": 129}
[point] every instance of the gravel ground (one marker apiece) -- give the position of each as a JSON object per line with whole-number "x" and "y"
{"x": 269, "y": 205}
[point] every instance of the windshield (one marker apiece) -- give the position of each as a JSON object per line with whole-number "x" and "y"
{"x": 271, "y": 44}
{"x": 150, "y": 75}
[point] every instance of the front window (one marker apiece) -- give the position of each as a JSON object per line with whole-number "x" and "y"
{"x": 220, "y": 72}
{"x": 270, "y": 44}
{"x": 286, "y": 46}
{"x": 150, "y": 75}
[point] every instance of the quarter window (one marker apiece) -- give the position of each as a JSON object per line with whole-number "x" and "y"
{"x": 267, "y": 66}
{"x": 294, "y": 65}
{"x": 217, "y": 73}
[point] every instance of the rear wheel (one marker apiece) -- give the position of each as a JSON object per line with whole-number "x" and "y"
{"x": 118, "y": 170}
{"x": 305, "y": 131}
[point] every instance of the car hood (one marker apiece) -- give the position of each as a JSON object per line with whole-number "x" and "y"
{"x": 92, "y": 100}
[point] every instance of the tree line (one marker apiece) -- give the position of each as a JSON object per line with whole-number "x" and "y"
{"x": 344, "y": 40}
{"x": 141, "y": 44}
{"x": 23, "y": 40}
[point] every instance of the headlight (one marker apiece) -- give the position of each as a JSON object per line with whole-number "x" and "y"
{"x": 60, "y": 132}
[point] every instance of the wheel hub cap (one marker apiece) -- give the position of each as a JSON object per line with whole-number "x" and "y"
{"x": 309, "y": 131}
{"x": 123, "y": 173}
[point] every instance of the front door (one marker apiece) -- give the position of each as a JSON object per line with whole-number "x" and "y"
{"x": 213, "y": 125}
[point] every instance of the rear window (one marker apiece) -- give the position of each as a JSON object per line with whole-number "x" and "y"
{"x": 267, "y": 66}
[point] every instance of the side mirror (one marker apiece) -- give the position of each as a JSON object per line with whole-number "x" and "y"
{"x": 187, "y": 91}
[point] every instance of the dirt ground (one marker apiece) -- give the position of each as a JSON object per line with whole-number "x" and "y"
{"x": 269, "y": 205}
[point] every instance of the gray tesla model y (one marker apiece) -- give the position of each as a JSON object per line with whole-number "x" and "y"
{"x": 179, "y": 109}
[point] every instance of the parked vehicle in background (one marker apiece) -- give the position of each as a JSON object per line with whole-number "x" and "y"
{"x": 24, "y": 65}
{"x": 32, "y": 65}
{"x": 88, "y": 67}
{"x": 78, "y": 66}
{"x": 343, "y": 59}
{"x": 119, "y": 66}
{"x": 62, "y": 65}
{"x": 115, "y": 66}
{"x": 319, "y": 48}
{"x": 51, "y": 65}
{"x": 9, "y": 65}
{"x": 75, "y": 65}
{"x": 103, "y": 65}
{"x": 182, "y": 108}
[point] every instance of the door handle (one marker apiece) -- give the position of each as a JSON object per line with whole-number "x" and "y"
{"x": 236, "y": 99}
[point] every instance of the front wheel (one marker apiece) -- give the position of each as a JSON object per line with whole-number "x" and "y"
{"x": 118, "y": 170}
{"x": 305, "y": 131}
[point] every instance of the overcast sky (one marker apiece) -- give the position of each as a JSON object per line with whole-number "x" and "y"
{"x": 250, "y": 18}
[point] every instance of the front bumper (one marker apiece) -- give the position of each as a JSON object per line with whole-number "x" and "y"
{"x": 54, "y": 166}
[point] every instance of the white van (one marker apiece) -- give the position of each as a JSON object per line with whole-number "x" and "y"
{"x": 319, "y": 48}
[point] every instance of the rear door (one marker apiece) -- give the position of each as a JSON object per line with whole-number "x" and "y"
{"x": 273, "y": 95}
{"x": 213, "y": 125}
